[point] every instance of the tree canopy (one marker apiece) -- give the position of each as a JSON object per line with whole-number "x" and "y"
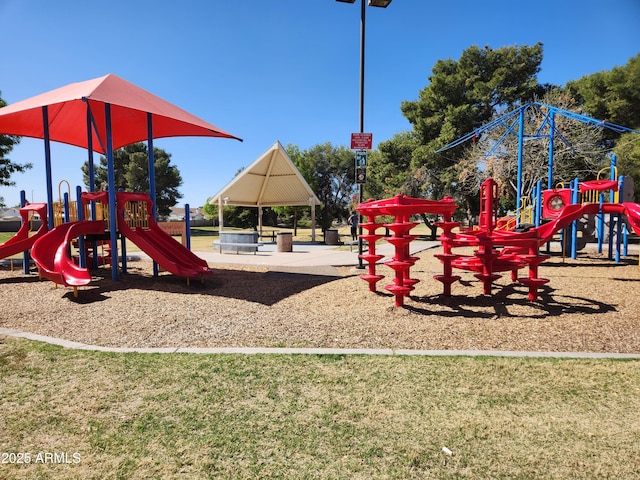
{"x": 330, "y": 172}
{"x": 614, "y": 96}
{"x": 7, "y": 167}
{"x": 461, "y": 95}
{"x": 132, "y": 174}
{"x": 483, "y": 84}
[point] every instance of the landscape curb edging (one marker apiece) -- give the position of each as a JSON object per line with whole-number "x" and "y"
{"x": 316, "y": 351}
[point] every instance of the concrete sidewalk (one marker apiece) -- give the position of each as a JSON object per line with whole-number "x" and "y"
{"x": 303, "y": 255}
{"x": 319, "y": 254}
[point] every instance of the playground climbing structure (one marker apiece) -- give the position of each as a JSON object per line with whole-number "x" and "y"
{"x": 495, "y": 250}
{"x": 400, "y": 208}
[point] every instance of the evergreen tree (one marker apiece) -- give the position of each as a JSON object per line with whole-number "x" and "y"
{"x": 131, "y": 170}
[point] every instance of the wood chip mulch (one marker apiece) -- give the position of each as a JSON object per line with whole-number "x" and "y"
{"x": 589, "y": 305}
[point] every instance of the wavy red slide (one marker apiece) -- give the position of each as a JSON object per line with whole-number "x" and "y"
{"x": 21, "y": 241}
{"x": 571, "y": 212}
{"x": 51, "y": 253}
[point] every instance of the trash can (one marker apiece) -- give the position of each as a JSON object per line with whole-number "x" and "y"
{"x": 284, "y": 242}
{"x": 331, "y": 237}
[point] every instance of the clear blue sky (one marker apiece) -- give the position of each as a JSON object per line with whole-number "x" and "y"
{"x": 284, "y": 70}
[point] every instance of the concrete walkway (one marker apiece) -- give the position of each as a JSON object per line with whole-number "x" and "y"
{"x": 306, "y": 255}
{"x": 319, "y": 254}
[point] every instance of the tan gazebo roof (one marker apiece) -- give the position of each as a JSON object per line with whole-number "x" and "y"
{"x": 271, "y": 180}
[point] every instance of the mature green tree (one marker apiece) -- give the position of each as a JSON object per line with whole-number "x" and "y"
{"x": 330, "y": 172}
{"x": 132, "y": 174}
{"x": 460, "y": 97}
{"x": 391, "y": 170}
{"x": 7, "y": 167}
{"x": 577, "y": 152}
{"x": 627, "y": 151}
{"x": 614, "y": 96}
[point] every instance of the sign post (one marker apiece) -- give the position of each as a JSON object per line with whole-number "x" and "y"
{"x": 361, "y": 142}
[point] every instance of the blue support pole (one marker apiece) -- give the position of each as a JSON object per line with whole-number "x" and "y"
{"x": 612, "y": 216}
{"x": 92, "y": 172}
{"x": 600, "y": 225}
{"x": 65, "y": 207}
{"x": 25, "y": 254}
{"x": 625, "y": 230}
{"x": 47, "y": 163}
{"x": 113, "y": 212}
{"x": 152, "y": 177}
{"x": 611, "y": 233}
{"x": 123, "y": 253}
{"x": 619, "y": 219}
{"x": 520, "y": 149}
{"x": 92, "y": 179}
{"x": 575, "y": 192}
{"x": 552, "y": 128}
{"x": 538, "y": 200}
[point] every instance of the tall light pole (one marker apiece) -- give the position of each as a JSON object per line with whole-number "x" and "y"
{"x": 363, "y": 12}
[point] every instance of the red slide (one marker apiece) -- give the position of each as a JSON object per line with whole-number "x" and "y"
{"x": 571, "y": 212}
{"x": 21, "y": 241}
{"x": 160, "y": 246}
{"x": 629, "y": 210}
{"x": 51, "y": 253}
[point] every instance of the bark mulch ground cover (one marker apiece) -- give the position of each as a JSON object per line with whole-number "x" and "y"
{"x": 590, "y": 305}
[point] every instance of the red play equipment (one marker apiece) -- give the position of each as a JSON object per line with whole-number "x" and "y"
{"x": 518, "y": 249}
{"x": 401, "y": 208}
{"x": 136, "y": 222}
{"x": 52, "y": 250}
{"x": 496, "y": 250}
{"x": 21, "y": 241}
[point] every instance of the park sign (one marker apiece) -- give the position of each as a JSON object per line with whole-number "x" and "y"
{"x": 361, "y": 141}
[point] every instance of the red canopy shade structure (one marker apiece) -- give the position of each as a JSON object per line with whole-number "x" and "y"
{"x": 101, "y": 115}
{"x": 70, "y": 106}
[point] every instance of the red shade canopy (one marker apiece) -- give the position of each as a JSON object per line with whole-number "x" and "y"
{"x": 67, "y": 113}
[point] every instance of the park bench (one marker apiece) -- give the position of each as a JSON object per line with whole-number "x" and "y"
{"x": 271, "y": 234}
{"x": 237, "y": 246}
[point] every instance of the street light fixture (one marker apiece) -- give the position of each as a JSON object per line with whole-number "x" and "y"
{"x": 371, "y": 3}
{"x": 379, "y": 3}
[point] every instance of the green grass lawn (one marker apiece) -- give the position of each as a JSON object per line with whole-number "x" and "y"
{"x": 4, "y": 236}
{"x": 135, "y": 416}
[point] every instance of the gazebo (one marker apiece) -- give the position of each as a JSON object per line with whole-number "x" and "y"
{"x": 271, "y": 180}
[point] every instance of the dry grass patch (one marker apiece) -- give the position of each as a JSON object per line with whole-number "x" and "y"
{"x": 323, "y": 417}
